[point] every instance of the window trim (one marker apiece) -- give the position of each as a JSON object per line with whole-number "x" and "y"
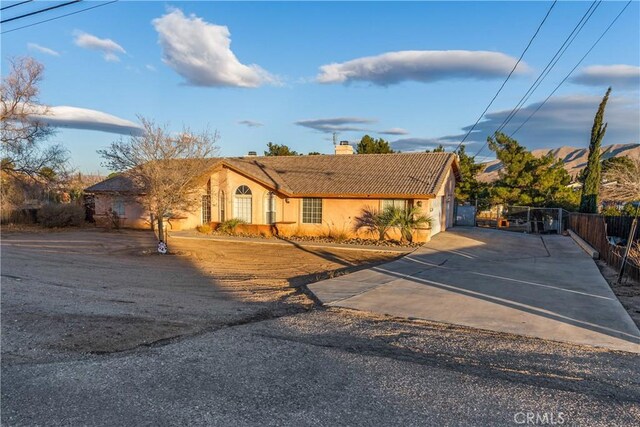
{"x": 205, "y": 207}
{"x": 405, "y": 203}
{"x": 270, "y": 203}
{"x": 302, "y": 210}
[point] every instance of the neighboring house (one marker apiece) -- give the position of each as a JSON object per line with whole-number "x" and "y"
{"x": 305, "y": 195}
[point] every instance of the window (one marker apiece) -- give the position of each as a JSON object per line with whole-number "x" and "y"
{"x": 269, "y": 208}
{"x": 206, "y": 205}
{"x": 311, "y": 211}
{"x": 206, "y": 209}
{"x": 394, "y": 203}
{"x": 242, "y": 204}
{"x": 222, "y": 201}
{"x": 118, "y": 206}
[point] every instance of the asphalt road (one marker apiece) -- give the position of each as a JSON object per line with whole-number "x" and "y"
{"x": 93, "y": 334}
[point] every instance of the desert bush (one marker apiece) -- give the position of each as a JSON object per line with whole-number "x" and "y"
{"x": 204, "y": 229}
{"x": 337, "y": 233}
{"x": 112, "y": 220}
{"x": 230, "y": 225}
{"x": 61, "y": 215}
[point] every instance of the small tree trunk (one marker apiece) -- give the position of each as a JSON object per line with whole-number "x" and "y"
{"x": 160, "y": 228}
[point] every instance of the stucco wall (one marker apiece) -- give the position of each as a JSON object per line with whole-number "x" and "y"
{"x": 445, "y": 196}
{"x": 338, "y": 215}
{"x": 134, "y": 214}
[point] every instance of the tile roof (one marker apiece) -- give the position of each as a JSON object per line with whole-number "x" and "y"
{"x": 120, "y": 183}
{"x": 357, "y": 175}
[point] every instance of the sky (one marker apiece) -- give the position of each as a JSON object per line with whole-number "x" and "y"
{"x": 417, "y": 74}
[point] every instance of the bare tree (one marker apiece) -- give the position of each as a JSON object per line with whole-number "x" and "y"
{"x": 167, "y": 169}
{"x": 23, "y": 152}
{"x": 622, "y": 181}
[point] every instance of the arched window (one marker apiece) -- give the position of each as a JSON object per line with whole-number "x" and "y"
{"x": 243, "y": 190}
{"x": 269, "y": 208}
{"x": 242, "y": 204}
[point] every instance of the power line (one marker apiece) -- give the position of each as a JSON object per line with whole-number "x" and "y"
{"x": 58, "y": 17}
{"x": 46, "y": 9}
{"x": 508, "y": 77}
{"x": 545, "y": 72}
{"x": 16, "y": 4}
{"x": 551, "y": 64}
{"x": 574, "y": 68}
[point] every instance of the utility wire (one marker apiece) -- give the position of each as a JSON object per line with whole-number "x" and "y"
{"x": 545, "y": 72}
{"x": 16, "y": 4}
{"x": 508, "y": 77}
{"x": 551, "y": 64}
{"x": 574, "y": 68}
{"x": 46, "y": 9}
{"x": 58, "y": 17}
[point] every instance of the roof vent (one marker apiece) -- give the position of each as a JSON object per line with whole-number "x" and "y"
{"x": 252, "y": 154}
{"x": 344, "y": 142}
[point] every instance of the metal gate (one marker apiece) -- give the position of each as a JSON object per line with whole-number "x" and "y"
{"x": 465, "y": 215}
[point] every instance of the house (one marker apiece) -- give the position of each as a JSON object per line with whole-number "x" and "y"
{"x": 306, "y": 195}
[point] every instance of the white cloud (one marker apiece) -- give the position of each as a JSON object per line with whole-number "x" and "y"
{"x": 108, "y": 47}
{"x": 83, "y": 118}
{"x": 201, "y": 53}
{"x": 250, "y": 123}
{"x": 150, "y": 67}
{"x": 42, "y": 49}
{"x": 617, "y": 76}
{"x": 422, "y": 66}
{"x": 563, "y": 120}
{"x": 394, "y": 131}
{"x": 336, "y": 124}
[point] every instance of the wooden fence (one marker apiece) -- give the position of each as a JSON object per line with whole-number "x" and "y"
{"x": 620, "y": 226}
{"x": 594, "y": 229}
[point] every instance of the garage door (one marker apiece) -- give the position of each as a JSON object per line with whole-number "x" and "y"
{"x": 436, "y": 215}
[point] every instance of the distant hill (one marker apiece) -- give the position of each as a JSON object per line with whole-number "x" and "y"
{"x": 575, "y": 159}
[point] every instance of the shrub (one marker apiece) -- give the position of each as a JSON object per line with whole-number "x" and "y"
{"x": 61, "y": 215}
{"x": 229, "y": 226}
{"x": 407, "y": 220}
{"x": 204, "y": 229}
{"x": 375, "y": 222}
{"x": 112, "y": 220}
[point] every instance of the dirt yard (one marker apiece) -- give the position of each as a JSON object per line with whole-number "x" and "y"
{"x": 97, "y": 329}
{"x": 628, "y": 292}
{"x": 95, "y": 292}
{"x": 262, "y": 272}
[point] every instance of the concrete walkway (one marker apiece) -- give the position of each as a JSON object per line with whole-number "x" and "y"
{"x": 541, "y": 286}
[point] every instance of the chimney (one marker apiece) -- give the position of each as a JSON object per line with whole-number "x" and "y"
{"x": 252, "y": 154}
{"x": 344, "y": 148}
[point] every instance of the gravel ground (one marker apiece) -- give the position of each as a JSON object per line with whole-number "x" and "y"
{"x": 95, "y": 331}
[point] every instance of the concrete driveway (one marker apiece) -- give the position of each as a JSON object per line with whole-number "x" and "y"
{"x": 540, "y": 286}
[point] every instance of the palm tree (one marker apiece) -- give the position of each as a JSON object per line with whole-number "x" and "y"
{"x": 408, "y": 220}
{"x": 374, "y": 221}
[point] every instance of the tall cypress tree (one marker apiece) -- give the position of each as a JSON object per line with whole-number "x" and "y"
{"x": 593, "y": 174}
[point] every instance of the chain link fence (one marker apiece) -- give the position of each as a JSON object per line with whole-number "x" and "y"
{"x": 523, "y": 219}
